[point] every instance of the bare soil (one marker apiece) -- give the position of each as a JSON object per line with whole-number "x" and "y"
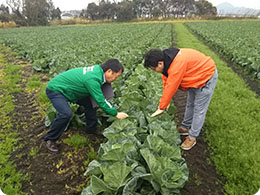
{"x": 203, "y": 178}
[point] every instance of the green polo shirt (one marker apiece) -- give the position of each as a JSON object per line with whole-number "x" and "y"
{"x": 78, "y": 83}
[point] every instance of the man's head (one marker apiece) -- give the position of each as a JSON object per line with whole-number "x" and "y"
{"x": 112, "y": 69}
{"x": 154, "y": 59}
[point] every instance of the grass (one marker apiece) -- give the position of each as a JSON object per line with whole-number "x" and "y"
{"x": 77, "y": 141}
{"x": 34, "y": 151}
{"x": 10, "y": 179}
{"x": 34, "y": 82}
{"x": 232, "y": 124}
{"x": 91, "y": 155}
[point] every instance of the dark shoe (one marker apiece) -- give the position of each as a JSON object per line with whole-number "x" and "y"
{"x": 52, "y": 146}
{"x": 96, "y": 133}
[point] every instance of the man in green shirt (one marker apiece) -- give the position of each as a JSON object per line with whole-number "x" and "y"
{"x": 78, "y": 85}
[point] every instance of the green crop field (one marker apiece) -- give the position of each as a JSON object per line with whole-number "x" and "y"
{"x": 141, "y": 155}
{"x": 237, "y": 41}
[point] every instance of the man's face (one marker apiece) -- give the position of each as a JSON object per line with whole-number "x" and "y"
{"x": 159, "y": 67}
{"x": 112, "y": 76}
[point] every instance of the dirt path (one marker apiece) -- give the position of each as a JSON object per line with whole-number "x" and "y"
{"x": 203, "y": 179}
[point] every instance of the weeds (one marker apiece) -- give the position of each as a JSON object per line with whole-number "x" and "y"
{"x": 10, "y": 179}
{"x": 34, "y": 152}
{"x": 34, "y": 83}
{"x": 77, "y": 141}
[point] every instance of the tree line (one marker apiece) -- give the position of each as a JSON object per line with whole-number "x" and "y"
{"x": 127, "y": 10}
{"x": 41, "y": 12}
{"x": 29, "y": 12}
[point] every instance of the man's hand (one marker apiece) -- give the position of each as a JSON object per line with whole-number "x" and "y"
{"x": 157, "y": 112}
{"x": 121, "y": 115}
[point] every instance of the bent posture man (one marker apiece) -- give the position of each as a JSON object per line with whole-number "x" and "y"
{"x": 77, "y": 86}
{"x": 190, "y": 70}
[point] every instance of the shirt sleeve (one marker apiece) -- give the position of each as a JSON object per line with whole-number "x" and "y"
{"x": 176, "y": 74}
{"x": 97, "y": 94}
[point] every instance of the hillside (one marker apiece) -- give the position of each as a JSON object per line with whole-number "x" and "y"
{"x": 227, "y": 9}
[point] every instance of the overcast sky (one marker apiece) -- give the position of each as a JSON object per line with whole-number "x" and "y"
{"x": 81, "y": 4}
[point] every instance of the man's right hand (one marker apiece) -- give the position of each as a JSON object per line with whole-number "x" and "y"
{"x": 121, "y": 115}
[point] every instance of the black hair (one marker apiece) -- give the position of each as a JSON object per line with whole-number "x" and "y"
{"x": 152, "y": 58}
{"x": 112, "y": 64}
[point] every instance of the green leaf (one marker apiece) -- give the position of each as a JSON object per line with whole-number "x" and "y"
{"x": 99, "y": 185}
{"x": 162, "y": 148}
{"x": 93, "y": 168}
{"x": 117, "y": 152}
{"x": 116, "y": 137}
{"x": 135, "y": 183}
{"x": 120, "y": 125}
{"x": 165, "y": 130}
{"x": 164, "y": 171}
{"x": 87, "y": 191}
{"x": 116, "y": 174}
{"x": 51, "y": 114}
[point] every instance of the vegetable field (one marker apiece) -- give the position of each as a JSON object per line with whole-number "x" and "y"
{"x": 237, "y": 41}
{"x": 140, "y": 154}
{"x": 61, "y": 48}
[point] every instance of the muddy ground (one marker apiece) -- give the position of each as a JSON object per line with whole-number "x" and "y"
{"x": 63, "y": 173}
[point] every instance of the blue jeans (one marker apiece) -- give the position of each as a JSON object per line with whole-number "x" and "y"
{"x": 198, "y": 100}
{"x": 63, "y": 117}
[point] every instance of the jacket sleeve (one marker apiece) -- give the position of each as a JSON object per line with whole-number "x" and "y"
{"x": 95, "y": 91}
{"x": 164, "y": 80}
{"x": 176, "y": 74}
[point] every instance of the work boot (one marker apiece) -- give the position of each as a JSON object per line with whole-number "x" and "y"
{"x": 182, "y": 130}
{"x": 188, "y": 143}
{"x": 52, "y": 146}
{"x": 96, "y": 133}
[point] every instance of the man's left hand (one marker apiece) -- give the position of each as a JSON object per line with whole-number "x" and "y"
{"x": 157, "y": 112}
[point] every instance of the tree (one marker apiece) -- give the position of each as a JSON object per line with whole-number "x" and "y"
{"x": 4, "y": 13}
{"x": 205, "y": 8}
{"x": 56, "y": 14}
{"x": 53, "y": 13}
{"x": 92, "y": 11}
{"x": 156, "y": 10}
{"x": 107, "y": 10}
{"x": 125, "y": 11}
{"x": 16, "y": 16}
{"x": 38, "y": 12}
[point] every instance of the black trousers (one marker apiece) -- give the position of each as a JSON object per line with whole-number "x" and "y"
{"x": 90, "y": 114}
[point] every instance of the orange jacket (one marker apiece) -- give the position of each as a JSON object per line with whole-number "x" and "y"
{"x": 190, "y": 68}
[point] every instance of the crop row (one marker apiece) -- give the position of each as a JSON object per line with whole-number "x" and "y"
{"x": 142, "y": 154}
{"x": 57, "y": 49}
{"x": 237, "y": 41}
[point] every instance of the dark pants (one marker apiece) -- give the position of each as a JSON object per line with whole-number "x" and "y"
{"x": 90, "y": 114}
{"x": 62, "y": 119}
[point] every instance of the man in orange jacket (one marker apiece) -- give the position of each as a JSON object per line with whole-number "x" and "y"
{"x": 189, "y": 70}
